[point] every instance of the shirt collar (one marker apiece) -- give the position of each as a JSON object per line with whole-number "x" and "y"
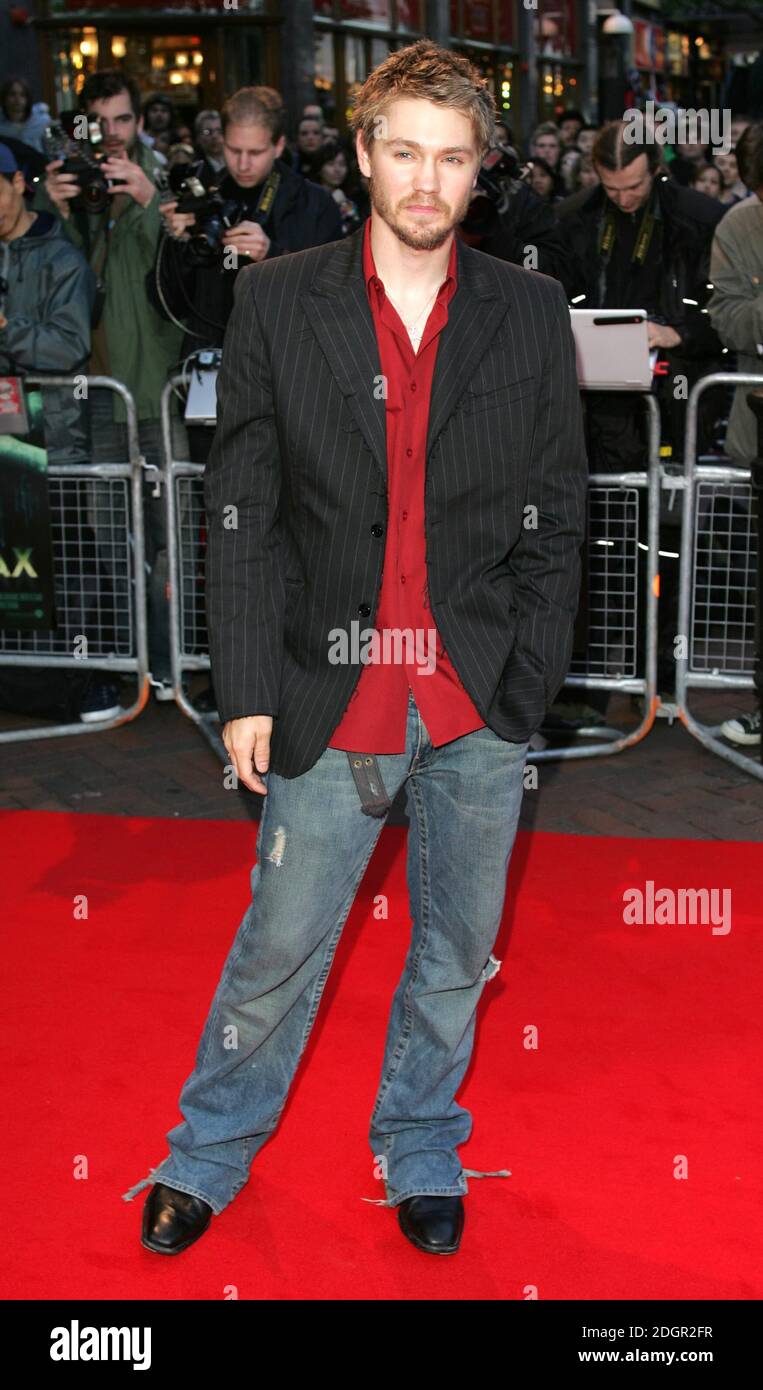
{"x": 369, "y": 268}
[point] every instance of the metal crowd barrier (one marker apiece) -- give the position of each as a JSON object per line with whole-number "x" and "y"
{"x": 186, "y": 556}
{"x": 716, "y": 613}
{"x": 610, "y": 663}
{"x": 612, "y": 539}
{"x": 98, "y": 573}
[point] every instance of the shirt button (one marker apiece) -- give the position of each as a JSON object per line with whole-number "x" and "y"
{"x": 405, "y": 516}
{"x": 409, "y": 453}
{"x": 402, "y": 579}
{"x": 413, "y": 385}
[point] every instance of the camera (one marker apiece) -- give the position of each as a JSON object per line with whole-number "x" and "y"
{"x": 500, "y": 170}
{"x": 83, "y": 158}
{"x": 214, "y": 214}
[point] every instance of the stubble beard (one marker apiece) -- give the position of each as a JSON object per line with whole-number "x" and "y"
{"x": 424, "y": 238}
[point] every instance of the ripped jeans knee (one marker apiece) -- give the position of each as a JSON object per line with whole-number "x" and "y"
{"x": 492, "y": 968}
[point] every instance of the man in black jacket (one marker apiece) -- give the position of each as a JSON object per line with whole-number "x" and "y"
{"x": 399, "y": 439}
{"x": 283, "y": 212}
{"x": 641, "y": 241}
{"x": 518, "y": 227}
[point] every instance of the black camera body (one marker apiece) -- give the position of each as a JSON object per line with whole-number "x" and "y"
{"x": 500, "y": 172}
{"x": 84, "y": 159}
{"x": 215, "y": 214}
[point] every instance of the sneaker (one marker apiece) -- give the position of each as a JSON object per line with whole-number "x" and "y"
{"x": 100, "y": 702}
{"x": 745, "y": 729}
{"x": 570, "y": 716}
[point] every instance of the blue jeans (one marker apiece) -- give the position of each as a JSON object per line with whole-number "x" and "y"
{"x": 313, "y": 846}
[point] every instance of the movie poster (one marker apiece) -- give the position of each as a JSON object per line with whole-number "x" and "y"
{"x": 26, "y": 552}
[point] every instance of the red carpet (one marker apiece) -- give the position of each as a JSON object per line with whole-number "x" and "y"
{"x": 647, "y": 1065}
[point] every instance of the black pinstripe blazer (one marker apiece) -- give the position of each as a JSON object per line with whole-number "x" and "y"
{"x": 295, "y": 491}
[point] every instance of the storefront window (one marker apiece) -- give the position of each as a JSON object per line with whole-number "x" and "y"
{"x": 244, "y": 64}
{"x": 170, "y": 65}
{"x": 505, "y": 90}
{"x": 557, "y": 90}
{"x": 474, "y": 19}
{"x": 159, "y": 63}
{"x": 379, "y": 51}
{"x": 478, "y": 19}
{"x": 75, "y": 55}
{"x": 409, "y": 14}
{"x": 370, "y": 11}
{"x": 555, "y": 28}
{"x": 325, "y": 75}
{"x": 61, "y": 6}
{"x": 506, "y": 21}
{"x": 354, "y": 68}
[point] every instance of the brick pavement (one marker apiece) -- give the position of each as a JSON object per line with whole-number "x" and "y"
{"x": 159, "y": 765}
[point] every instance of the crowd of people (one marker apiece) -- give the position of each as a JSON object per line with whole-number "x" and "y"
{"x": 131, "y": 285}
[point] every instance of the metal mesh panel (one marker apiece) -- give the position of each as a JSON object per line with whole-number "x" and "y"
{"x": 612, "y": 583}
{"x": 192, "y": 549}
{"x": 612, "y": 577}
{"x": 722, "y": 636}
{"x": 91, "y": 572}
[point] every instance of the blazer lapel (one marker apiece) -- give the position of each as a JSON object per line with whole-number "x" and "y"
{"x": 474, "y": 316}
{"x": 337, "y": 308}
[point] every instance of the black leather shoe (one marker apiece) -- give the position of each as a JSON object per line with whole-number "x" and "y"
{"x": 173, "y": 1220}
{"x": 433, "y": 1224}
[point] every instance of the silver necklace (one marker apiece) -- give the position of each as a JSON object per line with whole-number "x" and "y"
{"x": 410, "y": 326}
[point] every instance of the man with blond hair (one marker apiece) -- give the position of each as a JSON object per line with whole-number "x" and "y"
{"x": 399, "y": 441}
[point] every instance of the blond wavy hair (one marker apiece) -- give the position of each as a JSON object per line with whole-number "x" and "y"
{"x": 431, "y": 73}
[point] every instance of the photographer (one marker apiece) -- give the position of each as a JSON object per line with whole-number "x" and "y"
{"x": 131, "y": 341}
{"x": 506, "y": 219}
{"x": 47, "y": 292}
{"x": 159, "y": 129}
{"x": 640, "y": 240}
{"x": 258, "y": 209}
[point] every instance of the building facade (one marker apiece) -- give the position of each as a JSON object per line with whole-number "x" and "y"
{"x": 540, "y": 56}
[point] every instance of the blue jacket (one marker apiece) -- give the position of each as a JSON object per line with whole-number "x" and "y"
{"x": 48, "y": 306}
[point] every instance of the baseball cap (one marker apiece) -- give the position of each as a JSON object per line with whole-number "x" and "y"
{"x": 8, "y": 161}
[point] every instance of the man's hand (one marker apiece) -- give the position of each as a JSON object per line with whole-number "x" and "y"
{"x": 3, "y": 321}
{"x": 177, "y": 223}
{"x": 60, "y": 188}
{"x": 131, "y": 179}
{"x": 660, "y": 335}
{"x": 247, "y": 741}
{"x": 249, "y": 240}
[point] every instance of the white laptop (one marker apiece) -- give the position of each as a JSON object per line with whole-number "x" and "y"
{"x": 612, "y": 349}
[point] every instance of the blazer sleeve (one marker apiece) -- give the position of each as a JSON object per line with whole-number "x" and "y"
{"x": 546, "y": 560}
{"x": 245, "y": 590}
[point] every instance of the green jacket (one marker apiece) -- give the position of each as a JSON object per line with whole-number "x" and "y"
{"x": 143, "y": 347}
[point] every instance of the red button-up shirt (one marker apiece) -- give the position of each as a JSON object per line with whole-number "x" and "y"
{"x": 375, "y": 719}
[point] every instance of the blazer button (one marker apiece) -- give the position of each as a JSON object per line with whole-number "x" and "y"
{"x": 377, "y": 530}
{"x": 364, "y": 609}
